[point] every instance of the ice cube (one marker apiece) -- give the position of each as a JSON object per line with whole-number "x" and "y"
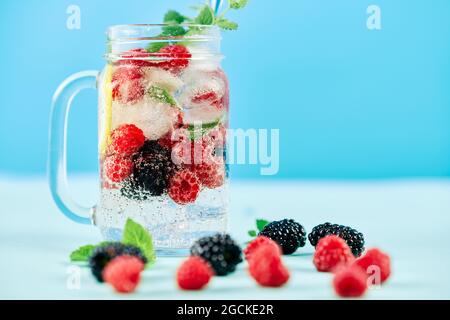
{"x": 162, "y": 78}
{"x": 154, "y": 118}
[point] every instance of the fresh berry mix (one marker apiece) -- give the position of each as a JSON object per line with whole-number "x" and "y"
{"x": 290, "y": 235}
{"x": 332, "y": 252}
{"x": 118, "y": 168}
{"x": 220, "y": 251}
{"x": 126, "y": 140}
{"x": 102, "y": 255}
{"x": 184, "y": 187}
{"x": 258, "y": 242}
{"x": 266, "y": 266}
{"x": 354, "y": 239}
{"x": 375, "y": 259}
{"x": 124, "y": 273}
{"x": 194, "y": 274}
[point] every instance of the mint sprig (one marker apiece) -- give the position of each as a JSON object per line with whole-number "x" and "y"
{"x": 82, "y": 254}
{"x": 136, "y": 235}
{"x": 133, "y": 234}
{"x": 173, "y": 16}
{"x": 260, "y": 224}
{"x": 237, "y": 4}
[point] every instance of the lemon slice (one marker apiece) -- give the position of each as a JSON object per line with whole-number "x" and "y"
{"x": 107, "y": 109}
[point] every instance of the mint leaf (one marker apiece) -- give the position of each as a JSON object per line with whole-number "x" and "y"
{"x": 206, "y": 16}
{"x": 237, "y": 4}
{"x": 252, "y": 233}
{"x": 156, "y": 46}
{"x": 174, "y": 16}
{"x": 261, "y": 223}
{"x": 161, "y": 95}
{"x": 226, "y": 24}
{"x": 136, "y": 235}
{"x": 173, "y": 31}
{"x": 82, "y": 254}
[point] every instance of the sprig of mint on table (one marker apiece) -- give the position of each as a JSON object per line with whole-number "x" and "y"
{"x": 260, "y": 224}
{"x": 133, "y": 234}
{"x": 205, "y": 17}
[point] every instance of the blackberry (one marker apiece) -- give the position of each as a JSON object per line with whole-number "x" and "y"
{"x": 222, "y": 253}
{"x": 103, "y": 254}
{"x": 152, "y": 171}
{"x": 353, "y": 238}
{"x": 290, "y": 235}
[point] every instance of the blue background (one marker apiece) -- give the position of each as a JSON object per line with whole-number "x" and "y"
{"x": 350, "y": 103}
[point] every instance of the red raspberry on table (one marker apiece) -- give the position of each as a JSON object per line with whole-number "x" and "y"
{"x": 257, "y": 243}
{"x": 194, "y": 274}
{"x": 127, "y": 86}
{"x": 211, "y": 175}
{"x": 375, "y": 260}
{"x": 123, "y": 273}
{"x": 266, "y": 267}
{"x": 177, "y": 57}
{"x": 117, "y": 168}
{"x": 331, "y": 252}
{"x": 184, "y": 187}
{"x": 350, "y": 282}
{"x": 126, "y": 140}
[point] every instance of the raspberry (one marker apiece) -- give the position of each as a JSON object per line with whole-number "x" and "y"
{"x": 184, "y": 187}
{"x": 257, "y": 243}
{"x": 194, "y": 273}
{"x": 211, "y": 175}
{"x": 266, "y": 267}
{"x": 377, "y": 258}
{"x": 127, "y": 84}
{"x": 350, "y": 282}
{"x": 331, "y": 252}
{"x": 132, "y": 56}
{"x": 117, "y": 168}
{"x": 127, "y": 139}
{"x": 354, "y": 238}
{"x": 177, "y": 57}
{"x": 123, "y": 273}
{"x": 103, "y": 254}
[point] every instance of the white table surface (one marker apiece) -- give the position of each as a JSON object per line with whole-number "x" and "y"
{"x": 410, "y": 219}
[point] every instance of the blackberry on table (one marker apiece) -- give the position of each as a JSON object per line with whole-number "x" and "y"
{"x": 103, "y": 254}
{"x": 353, "y": 238}
{"x": 220, "y": 251}
{"x": 290, "y": 235}
{"x": 152, "y": 171}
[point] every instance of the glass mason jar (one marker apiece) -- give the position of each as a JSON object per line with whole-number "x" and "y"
{"x": 163, "y": 115}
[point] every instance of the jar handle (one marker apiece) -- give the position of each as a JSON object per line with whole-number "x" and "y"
{"x": 57, "y": 160}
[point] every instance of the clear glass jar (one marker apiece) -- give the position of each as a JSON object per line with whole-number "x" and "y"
{"x": 163, "y": 115}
